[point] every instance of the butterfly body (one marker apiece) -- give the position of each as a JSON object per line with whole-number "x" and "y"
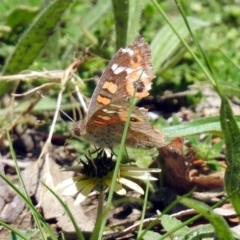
{"x": 109, "y": 106}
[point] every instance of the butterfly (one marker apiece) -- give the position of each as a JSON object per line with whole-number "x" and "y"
{"x": 109, "y": 106}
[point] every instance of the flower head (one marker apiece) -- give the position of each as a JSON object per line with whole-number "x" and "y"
{"x": 96, "y": 174}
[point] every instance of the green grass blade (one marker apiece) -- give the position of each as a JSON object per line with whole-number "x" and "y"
{"x": 121, "y": 14}
{"x": 190, "y": 30}
{"x": 144, "y": 208}
{"x": 127, "y": 20}
{"x": 17, "y": 232}
{"x": 135, "y": 12}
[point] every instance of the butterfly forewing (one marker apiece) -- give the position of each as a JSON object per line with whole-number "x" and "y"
{"x": 129, "y": 69}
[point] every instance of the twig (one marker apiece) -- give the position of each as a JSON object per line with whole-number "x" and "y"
{"x": 50, "y": 75}
{"x": 34, "y": 89}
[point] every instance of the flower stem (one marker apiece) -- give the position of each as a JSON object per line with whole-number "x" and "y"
{"x": 100, "y": 203}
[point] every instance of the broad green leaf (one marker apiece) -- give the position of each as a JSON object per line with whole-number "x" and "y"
{"x": 169, "y": 223}
{"x": 166, "y": 42}
{"x": 28, "y": 234}
{"x": 149, "y": 235}
{"x": 198, "y": 126}
{"x": 218, "y": 222}
{"x": 203, "y": 231}
{"x": 34, "y": 39}
{"x": 21, "y": 15}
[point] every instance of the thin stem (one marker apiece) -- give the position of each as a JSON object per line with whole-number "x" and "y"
{"x": 100, "y": 204}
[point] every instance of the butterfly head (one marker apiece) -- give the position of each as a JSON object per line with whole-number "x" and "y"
{"x": 79, "y": 128}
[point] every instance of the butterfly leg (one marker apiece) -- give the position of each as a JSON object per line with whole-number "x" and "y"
{"x": 97, "y": 150}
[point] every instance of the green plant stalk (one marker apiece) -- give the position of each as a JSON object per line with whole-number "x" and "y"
{"x": 165, "y": 43}
{"x": 100, "y": 203}
{"x": 144, "y": 209}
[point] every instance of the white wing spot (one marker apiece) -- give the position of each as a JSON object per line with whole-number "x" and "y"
{"x": 115, "y": 105}
{"x": 107, "y": 111}
{"x": 134, "y": 115}
{"x": 129, "y": 71}
{"x": 119, "y": 70}
{"x": 129, "y": 51}
{"x": 114, "y": 66}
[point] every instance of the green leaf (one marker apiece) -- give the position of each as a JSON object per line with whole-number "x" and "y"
{"x": 232, "y": 140}
{"x": 34, "y": 39}
{"x": 166, "y": 42}
{"x": 21, "y": 15}
{"x": 221, "y": 227}
{"x": 149, "y": 235}
{"x": 203, "y": 125}
{"x": 203, "y": 231}
{"x": 169, "y": 223}
{"x": 29, "y": 234}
